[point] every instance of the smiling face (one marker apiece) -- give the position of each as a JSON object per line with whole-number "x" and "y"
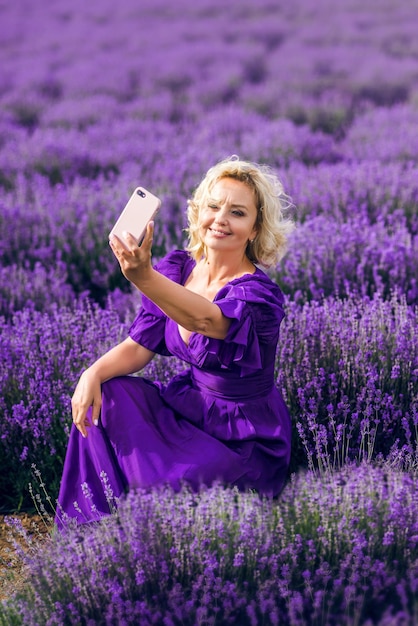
{"x": 228, "y": 218}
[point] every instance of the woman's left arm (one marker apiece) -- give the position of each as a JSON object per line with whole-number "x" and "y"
{"x": 192, "y": 311}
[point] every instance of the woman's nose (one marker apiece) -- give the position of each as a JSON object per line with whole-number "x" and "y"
{"x": 221, "y": 216}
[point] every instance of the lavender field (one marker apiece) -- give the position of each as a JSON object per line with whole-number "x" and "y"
{"x": 99, "y": 97}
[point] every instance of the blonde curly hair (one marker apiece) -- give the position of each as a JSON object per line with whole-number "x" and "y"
{"x": 273, "y": 228}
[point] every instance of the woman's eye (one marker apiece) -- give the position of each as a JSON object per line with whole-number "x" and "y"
{"x": 238, "y": 213}
{"x": 212, "y": 206}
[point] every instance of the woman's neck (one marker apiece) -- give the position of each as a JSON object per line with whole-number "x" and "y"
{"x": 222, "y": 269}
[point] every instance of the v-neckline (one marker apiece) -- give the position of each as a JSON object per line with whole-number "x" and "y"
{"x": 186, "y": 278}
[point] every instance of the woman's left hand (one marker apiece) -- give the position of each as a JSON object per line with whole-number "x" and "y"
{"x": 134, "y": 260}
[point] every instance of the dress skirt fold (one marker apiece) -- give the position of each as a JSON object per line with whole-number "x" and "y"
{"x": 139, "y": 443}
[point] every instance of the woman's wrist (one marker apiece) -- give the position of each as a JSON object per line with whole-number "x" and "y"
{"x": 93, "y": 372}
{"x": 144, "y": 279}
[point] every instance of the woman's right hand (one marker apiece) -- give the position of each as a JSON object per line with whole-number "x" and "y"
{"x": 87, "y": 394}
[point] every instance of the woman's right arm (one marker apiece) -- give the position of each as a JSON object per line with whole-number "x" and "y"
{"x": 126, "y": 358}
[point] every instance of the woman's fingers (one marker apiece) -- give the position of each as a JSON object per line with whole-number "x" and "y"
{"x": 81, "y": 421}
{"x": 87, "y": 395}
{"x": 129, "y": 245}
{"x": 133, "y": 259}
{"x": 146, "y": 246}
{"x": 80, "y": 410}
{"x": 95, "y": 412}
{"x": 149, "y": 234}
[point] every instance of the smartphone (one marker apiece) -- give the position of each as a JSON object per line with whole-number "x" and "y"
{"x": 140, "y": 209}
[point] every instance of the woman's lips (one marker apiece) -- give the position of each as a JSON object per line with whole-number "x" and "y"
{"x": 218, "y": 233}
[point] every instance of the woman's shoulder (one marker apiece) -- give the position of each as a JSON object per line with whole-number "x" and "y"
{"x": 257, "y": 286}
{"x": 175, "y": 265}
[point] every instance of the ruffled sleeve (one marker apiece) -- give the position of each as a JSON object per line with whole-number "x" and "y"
{"x": 254, "y": 304}
{"x": 148, "y": 328}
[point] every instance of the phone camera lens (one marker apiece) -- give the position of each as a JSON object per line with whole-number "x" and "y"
{"x": 140, "y": 193}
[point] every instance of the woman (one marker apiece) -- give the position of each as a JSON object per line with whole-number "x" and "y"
{"x": 211, "y": 306}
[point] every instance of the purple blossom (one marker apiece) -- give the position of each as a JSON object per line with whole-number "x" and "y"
{"x": 286, "y": 571}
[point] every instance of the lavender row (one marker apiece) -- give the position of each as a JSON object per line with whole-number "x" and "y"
{"x": 340, "y": 247}
{"x": 336, "y": 550}
{"x": 353, "y": 258}
{"x": 348, "y": 370}
{"x": 42, "y": 356}
{"x": 320, "y": 67}
{"x": 108, "y": 145}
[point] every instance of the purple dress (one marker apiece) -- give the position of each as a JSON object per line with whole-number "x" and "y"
{"x": 222, "y": 419}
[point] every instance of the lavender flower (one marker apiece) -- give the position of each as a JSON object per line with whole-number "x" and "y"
{"x": 231, "y": 557}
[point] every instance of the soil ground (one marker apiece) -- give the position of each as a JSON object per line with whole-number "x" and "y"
{"x": 12, "y": 569}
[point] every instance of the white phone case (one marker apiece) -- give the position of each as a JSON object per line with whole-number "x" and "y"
{"x": 140, "y": 209}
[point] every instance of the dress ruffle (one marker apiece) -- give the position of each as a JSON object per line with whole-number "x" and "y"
{"x": 253, "y": 303}
{"x": 255, "y": 311}
{"x": 149, "y": 330}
